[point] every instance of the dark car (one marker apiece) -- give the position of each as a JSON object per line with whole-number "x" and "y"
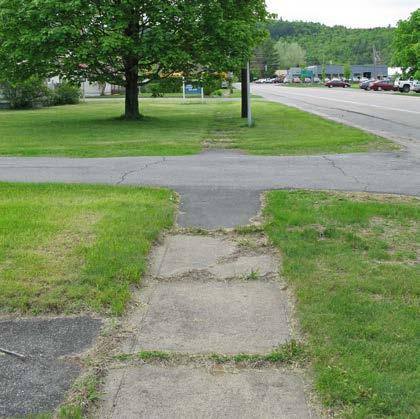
{"x": 337, "y": 83}
{"x": 382, "y": 85}
{"x": 365, "y": 84}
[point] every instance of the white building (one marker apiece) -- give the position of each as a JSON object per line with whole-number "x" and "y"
{"x": 88, "y": 89}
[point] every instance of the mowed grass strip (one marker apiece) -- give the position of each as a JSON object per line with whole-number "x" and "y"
{"x": 171, "y": 127}
{"x": 353, "y": 261}
{"x": 73, "y": 248}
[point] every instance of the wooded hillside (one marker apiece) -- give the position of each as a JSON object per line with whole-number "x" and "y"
{"x": 337, "y": 44}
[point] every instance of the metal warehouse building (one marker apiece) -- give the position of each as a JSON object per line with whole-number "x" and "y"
{"x": 358, "y": 71}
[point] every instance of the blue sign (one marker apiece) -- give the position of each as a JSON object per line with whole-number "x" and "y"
{"x": 190, "y": 90}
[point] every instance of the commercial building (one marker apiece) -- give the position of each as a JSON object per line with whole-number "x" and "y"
{"x": 357, "y": 71}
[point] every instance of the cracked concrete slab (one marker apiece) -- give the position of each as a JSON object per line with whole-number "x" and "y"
{"x": 39, "y": 383}
{"x": 152, "y": 391}
{"x": 219, "y": 257}
{"x": 205, "y": 317}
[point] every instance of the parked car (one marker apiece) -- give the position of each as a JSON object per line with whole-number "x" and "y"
{"x": 404, "y": 85}
{"x": 317, "y": 80}
{"x": 382, "y": 85}
{"x": 296, "y": 80}
{"x": 416, "y": 86}
{"x": 337, "y": 83}
{"x": 365, "y": 84}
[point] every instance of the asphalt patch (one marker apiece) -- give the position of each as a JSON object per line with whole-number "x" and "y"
{"x": 214, "y": 208}
{"x": 39, "y": 383}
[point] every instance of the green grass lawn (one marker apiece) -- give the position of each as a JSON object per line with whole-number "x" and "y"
{"x": 72, "y": 248}
{"x": 353, "y": 262}
{"x": 171, "y": 127}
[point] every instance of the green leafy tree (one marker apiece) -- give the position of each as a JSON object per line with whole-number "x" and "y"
{"x": 406, "y": 45}
{"x": 126, "y": 42}
{"x": 290, "y": 54}
{"x": 265, "y": 60}
{"x": 324, "y": 72}
{"x": 347, "y": 71}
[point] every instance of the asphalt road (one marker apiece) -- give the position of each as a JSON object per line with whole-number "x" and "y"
{"x": 222, "y": 188}
{"x": 387, "y": 114}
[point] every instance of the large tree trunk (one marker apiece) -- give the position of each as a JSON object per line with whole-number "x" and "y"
{"x": 131, "y": 90}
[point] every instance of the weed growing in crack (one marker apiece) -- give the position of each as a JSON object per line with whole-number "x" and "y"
{"x": 153, "y": 355}
{"x": 286, "y": 353}
{"x": 290, "y": 352}
{"x": 253, "y": 275}
{"x": 249, "y": 229}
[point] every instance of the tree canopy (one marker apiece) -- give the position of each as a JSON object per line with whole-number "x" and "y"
{"x": 126, "y": 41}
{"x": 265, "y": 61}
{"x": 406, "y": 45}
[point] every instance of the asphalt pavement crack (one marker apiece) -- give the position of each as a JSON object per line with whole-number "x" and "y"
{"x": 126, "y": 174}
{"x": 343, "y": 172}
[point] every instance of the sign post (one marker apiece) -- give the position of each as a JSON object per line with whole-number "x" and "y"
{"x": 183, "y": 88}
{"x": 244, "y": 93}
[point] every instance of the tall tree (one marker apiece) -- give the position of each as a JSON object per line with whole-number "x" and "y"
{"x": 124, "y": 42}
{"x": 265, "y": 60}
{"x": 347, "y": 71}
{"x": 290, "y": 54}
{"x": 406, "y": 45}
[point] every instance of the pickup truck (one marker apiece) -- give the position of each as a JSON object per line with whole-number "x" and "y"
{"x": 416, "y": 86}
{"x": 404, "y": 85}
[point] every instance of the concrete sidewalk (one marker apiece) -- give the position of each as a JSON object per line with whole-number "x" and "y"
{"x": 205, "y": 295}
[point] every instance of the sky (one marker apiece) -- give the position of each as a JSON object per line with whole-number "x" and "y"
{"x": 352, "y": 13}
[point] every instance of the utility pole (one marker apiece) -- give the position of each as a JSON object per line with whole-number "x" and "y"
{"x": 376, "y": 58}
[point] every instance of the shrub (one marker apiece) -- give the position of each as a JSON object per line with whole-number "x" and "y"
{"x": 27, "y": 94}
{"x": 162, "y": 86}
{"x": 66, "y": 94}
{"x": 211, "y": 83}
{"x": 218, "y": 92}
{"x": 171, "y": 85}
{"x": 156, "y": 90}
